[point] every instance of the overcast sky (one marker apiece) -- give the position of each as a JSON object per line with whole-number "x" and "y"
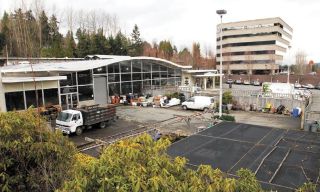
{"x": 185, "y": 21}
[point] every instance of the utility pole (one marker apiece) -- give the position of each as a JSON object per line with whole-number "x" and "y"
{"x": 221, "y": 13}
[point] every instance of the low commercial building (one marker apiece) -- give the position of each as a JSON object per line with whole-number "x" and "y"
{"x": 253, "y": 46}
{"x": 92, "y": 81}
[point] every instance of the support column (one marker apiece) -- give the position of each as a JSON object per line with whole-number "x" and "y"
{"x": 213, "y": 82}
{"x": 3, "y": 107}
{"x": 205, "y": 83}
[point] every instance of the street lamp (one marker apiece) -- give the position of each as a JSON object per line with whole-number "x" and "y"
{"x": 288, "y": 78}
{"x": 221, "y": 13}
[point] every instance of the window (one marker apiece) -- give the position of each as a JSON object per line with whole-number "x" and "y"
{"x": 147, "y": 83}
{"x": 113, "y": 77}
{"x": 163, "y": 68}
{"x": 125, "y": 67}
{"x": 136, "y": 66}
{"x": 146, "y": 67}
{"x": 126, "y": 77}
{"x": 248, "y": 44}
{"x": 113, "y": 68}
{"x": 31, "y": 98}
{"x": 163, "y": 82}
{"x": 114, "y": 89}
{"x": 155, "y": 67}
{"x": 68, "y": 90}
{"x": 146, "y": 75}
{"x": 155, "y": 75}
{"x": 126, "y": 88}
{"x": 85, "y": 93}
{"x": 14, "y": 101}
{"x": 84, "y": 77}
{"x": 191, "y": 99}
{"x": 178, "y": 72}
{"x": 71, "y": 79}
{"x": 137, "y": 87}
{"x": 170, "y": 72}
{"x": 156, "y": 82}
{"x": 51, "y": 97}
{"x": 164, "y": 75}
{"x": 136, "y": 76}
{"x": 101, "y": 70}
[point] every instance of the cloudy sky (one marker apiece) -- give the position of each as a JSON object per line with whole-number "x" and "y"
{"x": 187, "y": 21}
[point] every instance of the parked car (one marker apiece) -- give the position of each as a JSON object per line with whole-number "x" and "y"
{"x": 297, "y": 85}
{"x": 256, "y": 83}
{"x": 229, "y": 81}
{"x": 308, "y": 86}
{"x": 246, "y": 82}
{"x": 199, "y": 102}
{"x": 238, "y": 81}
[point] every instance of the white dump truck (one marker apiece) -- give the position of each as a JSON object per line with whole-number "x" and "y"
{"x": 75, "y": 121}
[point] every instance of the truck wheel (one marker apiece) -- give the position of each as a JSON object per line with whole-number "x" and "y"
{"x": 184, "y": 107}
{"x": 103, "y": 125}
{"x": 79, "y": 131}
{"x": 205, "y": 110}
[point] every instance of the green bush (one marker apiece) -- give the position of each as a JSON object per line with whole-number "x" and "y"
{"x": 225, "y": 118}
{"x": 227, "y": 97}
{"x": 32, "y": 158}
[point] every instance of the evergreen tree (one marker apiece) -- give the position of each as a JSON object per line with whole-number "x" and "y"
{"x": 69, "y": 45}
{"x": 44, "y": 29}
{"x": 55, "y": 40}
{"x": 98, "y": 44}
{"x": 4, "y": 33}
{"x": 83, "y": 43}
{"x": 2, "y": 41}
{"x": 121, "y": 45}
{"x": 136, "y": 48}
{"x": 166, "y": 49}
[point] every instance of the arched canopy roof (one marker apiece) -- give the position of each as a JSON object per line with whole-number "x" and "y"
{"x": 82, "y": 65}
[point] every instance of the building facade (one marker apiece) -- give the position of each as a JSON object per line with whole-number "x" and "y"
{"x": 75, "y": 83}
{"x": 253, "y": 46}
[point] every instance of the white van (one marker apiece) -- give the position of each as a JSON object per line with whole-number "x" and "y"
{"x": 199, "y": 102}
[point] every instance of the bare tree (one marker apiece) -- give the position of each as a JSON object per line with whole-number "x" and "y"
{"x": 301, "y": 61}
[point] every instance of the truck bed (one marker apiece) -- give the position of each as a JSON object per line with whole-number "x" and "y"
{"x": 94, "y": 114}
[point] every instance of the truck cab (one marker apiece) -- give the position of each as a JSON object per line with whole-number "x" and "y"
{"x": 70, "y": 121}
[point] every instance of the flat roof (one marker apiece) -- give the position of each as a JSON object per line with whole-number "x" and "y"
{"x": 79, "y": 65}
{"x": 281, "y": 159}
{"x": 31, "y": 79}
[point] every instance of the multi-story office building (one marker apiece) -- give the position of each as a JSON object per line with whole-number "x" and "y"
{"x": 253, "y": 46}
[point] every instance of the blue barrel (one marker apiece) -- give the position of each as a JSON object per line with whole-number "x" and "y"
{"x": 295, "y": 112}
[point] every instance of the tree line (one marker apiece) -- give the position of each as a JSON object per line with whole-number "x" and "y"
{"x": 28, "y": 34}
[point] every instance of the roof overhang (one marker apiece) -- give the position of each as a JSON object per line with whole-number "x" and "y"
{"x": 31, "y": 79}
{"x": 201, "y": 71}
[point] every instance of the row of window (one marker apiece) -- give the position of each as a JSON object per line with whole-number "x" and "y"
{"x": 136, "y": 66}
{"x": 137, "y": 86}
{"x": 248, "y": 62}
{"x": 247, "y": 44}
{"x": 265, "y": 52}
{"x": 252, "y": 26}
{"x": 16, "y": 100}
{"x": 250, "y": 35}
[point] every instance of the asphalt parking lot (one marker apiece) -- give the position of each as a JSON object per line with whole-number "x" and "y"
{"x": 177, "y": 120}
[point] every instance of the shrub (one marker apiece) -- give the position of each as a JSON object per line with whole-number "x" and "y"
{"x": 227, "y": 97}
{"x": 32, "y": 157}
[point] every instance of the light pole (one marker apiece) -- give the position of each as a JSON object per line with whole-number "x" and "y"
{"x": 288, "y": 78}
{"x": 221, "y": 13}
